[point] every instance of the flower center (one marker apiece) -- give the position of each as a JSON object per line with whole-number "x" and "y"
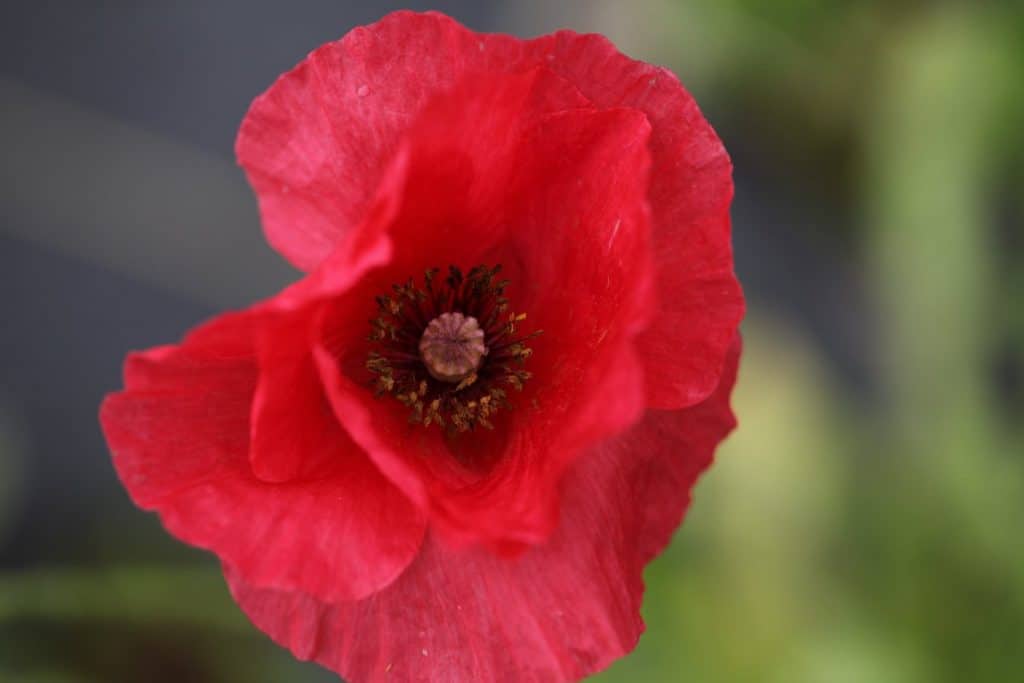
{"x": 452, "y": 347}
{"x": 449, "y": 350}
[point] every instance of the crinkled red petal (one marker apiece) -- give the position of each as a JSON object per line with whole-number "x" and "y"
{"x": 691, "y": 188}
{"x": 293, "y": 433}
{"x": 558, "y": 612}
{"x": 180, "y": 437}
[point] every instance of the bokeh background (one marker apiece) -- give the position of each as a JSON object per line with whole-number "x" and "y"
{"x": 865, "y": 524}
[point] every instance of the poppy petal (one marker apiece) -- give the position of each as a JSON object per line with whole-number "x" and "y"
{"x": 558, "y": 612}
{"x": 179, "y": 435}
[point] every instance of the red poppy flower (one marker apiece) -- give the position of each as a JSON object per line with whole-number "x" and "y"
{"x": 448, "y": 451}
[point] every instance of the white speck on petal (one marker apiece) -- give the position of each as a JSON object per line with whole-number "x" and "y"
{"x": 615, "y": 231}
{"x": 424, "y": 652}
{"x": 363, "y": 90}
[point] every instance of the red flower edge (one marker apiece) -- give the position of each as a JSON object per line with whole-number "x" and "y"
{"x": 373, "y": 547}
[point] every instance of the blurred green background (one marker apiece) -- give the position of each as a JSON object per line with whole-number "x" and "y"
{"x": 864, "y": 524}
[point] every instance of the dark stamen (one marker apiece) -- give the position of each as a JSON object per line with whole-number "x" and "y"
{"x": 447, "y": 350}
